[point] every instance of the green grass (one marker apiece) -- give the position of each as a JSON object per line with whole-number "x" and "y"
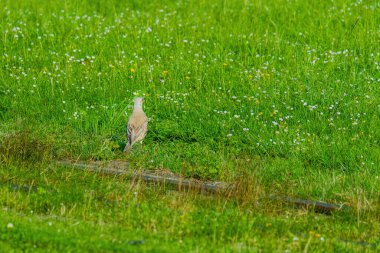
{"x": 286, "y": 92}
{"x": 59, "y": 209}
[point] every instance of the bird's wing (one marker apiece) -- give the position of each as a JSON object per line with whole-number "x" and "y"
{"x": 136, "y": 131}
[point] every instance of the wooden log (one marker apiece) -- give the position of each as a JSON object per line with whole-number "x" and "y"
{"x": 122, "y": 168}
{"x": 317, "y": 206}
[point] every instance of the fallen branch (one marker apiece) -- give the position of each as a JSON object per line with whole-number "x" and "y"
{"x": 121, "y": 168}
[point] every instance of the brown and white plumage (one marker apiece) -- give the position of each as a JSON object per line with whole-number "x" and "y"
{"x": 137, "y": 125}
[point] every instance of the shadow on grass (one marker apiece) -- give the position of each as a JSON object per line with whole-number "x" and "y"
{"x": 24, "y": 146}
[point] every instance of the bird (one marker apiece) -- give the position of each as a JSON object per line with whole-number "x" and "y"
{"x": 137, "y": 126}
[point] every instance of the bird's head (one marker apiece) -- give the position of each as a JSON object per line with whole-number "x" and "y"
{"x": 138, "y": 101}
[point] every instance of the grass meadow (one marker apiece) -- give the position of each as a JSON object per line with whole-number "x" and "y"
{"x": 281, "y": 96}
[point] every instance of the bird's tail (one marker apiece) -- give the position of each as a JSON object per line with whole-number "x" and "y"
{"x": 127, "y": 147}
